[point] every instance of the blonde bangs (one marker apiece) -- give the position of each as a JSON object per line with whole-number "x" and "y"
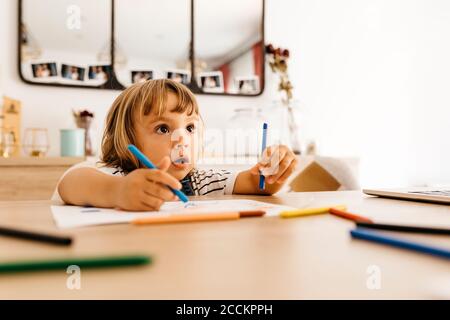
{"x": 154, "y": 98}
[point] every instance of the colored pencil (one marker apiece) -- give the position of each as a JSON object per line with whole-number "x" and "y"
{"x": 349, "y": 216}
{"x": 146, "y": 162}
{"x": 400, "y": 228}
{"x": 262, "y": 178}
{"x": 198, "y": 217}
{"x": 374, "y": 236}
{"x": 308, "y": 211}
{"x": 35, "y": 236}
{"x": 62, "y": 264}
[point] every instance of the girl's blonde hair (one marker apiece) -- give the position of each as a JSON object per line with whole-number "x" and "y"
{"x": 139, "y": 99}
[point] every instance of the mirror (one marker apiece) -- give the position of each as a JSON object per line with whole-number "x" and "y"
{"x": 66, "y": 42}
{"x": 155, "y": 38}
{"x": 111, "y": 44}
{"x": 229, "y": 46}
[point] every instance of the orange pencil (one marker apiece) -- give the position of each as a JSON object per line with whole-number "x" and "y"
{"x": 197, "y": 217}
{"x": 349, "y": 216}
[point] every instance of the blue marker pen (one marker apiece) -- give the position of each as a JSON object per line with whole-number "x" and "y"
{"x": 146, "y": 162}
{"x": 262, "y": 179}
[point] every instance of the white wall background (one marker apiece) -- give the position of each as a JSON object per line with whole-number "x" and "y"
{"x": 373, "y": 76}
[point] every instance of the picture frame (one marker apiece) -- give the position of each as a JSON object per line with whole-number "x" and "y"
{"x": 73, "y": 73}
{"x": 141, "y": 75}
{"x": 211, "y": 82}
{"x": 99, "y": 73}
{"x": 247, "y": 84}
{"x": 178, "y": 75}
{"x": 44, "y": 70}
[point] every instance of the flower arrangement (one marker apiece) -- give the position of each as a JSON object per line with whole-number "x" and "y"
{"x": 81, "y": 117}
{"x": 278, "y": 61}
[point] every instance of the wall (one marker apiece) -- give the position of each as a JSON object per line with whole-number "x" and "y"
{"x": 372, "y": 77}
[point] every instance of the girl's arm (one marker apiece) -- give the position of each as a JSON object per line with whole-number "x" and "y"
{"x": 277, "y": 164}
{"x": 140, "y": 190}
{"x": 88, "y": 186}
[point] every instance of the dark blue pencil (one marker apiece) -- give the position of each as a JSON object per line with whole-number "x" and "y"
{"x": 364, "y": 234}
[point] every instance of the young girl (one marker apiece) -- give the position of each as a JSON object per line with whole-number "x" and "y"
{"x": 161, "y": 118}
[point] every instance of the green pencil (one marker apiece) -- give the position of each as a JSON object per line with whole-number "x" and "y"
{"x": 62, "y": 264}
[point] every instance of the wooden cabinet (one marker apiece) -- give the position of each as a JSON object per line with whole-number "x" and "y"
{"x": 36, "y": 178}
{"x": 23, "y": 178}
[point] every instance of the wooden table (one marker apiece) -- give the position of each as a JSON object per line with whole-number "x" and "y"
{"x": 254, "y": 258}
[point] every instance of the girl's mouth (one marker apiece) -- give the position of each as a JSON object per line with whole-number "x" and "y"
{"x": 181, "y": 163}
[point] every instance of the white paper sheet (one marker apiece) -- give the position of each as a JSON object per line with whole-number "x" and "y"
{"x": 75, "y": 216}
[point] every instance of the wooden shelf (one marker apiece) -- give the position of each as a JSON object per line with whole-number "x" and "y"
{"x": 39, "y": 162}
{"x": 28, "y": 178}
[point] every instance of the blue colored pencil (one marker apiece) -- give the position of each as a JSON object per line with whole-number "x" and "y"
{"x": 262, "y": 179}
{"x": 146, "y": 162}
{"x": 364, "y": 234}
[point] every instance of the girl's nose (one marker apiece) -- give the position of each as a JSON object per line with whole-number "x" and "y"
{"x": 178, "y": 140}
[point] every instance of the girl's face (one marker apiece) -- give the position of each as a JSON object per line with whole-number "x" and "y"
{"x": 172, "y": 135}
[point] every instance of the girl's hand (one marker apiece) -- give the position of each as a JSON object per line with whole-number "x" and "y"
{"x": 146, "y": 189}
{"x": 277, "y": 164}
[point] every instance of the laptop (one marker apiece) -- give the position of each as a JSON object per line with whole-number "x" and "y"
{"x": 426, "y": 194}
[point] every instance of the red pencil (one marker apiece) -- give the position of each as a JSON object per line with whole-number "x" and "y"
{"x": 349, "y": 216}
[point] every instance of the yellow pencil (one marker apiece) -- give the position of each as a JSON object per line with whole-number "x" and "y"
{"x": 309, "y": 211}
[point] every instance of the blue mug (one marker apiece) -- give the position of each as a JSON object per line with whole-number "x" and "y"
{"x": 72, "y": 142}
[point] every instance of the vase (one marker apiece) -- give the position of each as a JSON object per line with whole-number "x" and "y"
{"x": 294, "y": 132}
{"x": 284, "y": 120}
{"x": 85, "y": 123}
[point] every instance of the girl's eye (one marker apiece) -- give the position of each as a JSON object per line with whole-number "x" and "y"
{"x": 162, "y": 129}
{"x": 190, "y": 128}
